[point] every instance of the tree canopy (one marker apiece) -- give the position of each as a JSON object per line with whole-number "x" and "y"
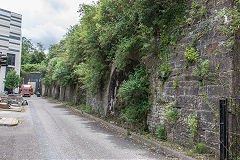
{"x": 12, "y": 80}
{"x": 31, "y": 57}
{"x": 112, "y": 32}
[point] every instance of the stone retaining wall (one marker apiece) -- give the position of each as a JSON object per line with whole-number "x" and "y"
{"x": 190, "y": 96}
{"x": 73, "y": 94}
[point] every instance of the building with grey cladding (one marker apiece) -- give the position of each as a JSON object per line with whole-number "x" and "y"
{"x": 10, "y": 42}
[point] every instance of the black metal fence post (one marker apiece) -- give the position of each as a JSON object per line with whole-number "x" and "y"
{"x": 223, "y": 130}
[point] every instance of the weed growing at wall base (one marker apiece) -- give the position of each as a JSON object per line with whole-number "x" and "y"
{"x": 161, "y": 132}
{"x": 201, "y": 148}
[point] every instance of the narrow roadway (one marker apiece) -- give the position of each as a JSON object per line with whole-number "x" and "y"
{"x": 51, "y": 131}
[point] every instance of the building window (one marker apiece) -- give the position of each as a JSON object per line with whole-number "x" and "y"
{"x": 14, "y": 50}
{"x": 11, "y": 59}
{"x": 15, "y": 33}
{"x": 14, "y": 43}
{"x": 3, "y": 46}
{"x": 15, "y": 25}
{"x": 14, "y": 37}
{"x": 4, "y": 10}
{"x": 4, "y": 36}
{"x": 3, "y": 39}
{"x": 5, "y": 16}
{"x": 4, "y": 26}
{"x": 15, "y": 20}
{"x": 17, "y": 17}
{"x": 4, "y": 19}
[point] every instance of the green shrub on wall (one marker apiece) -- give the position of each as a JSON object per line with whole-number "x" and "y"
{"x": 171, "y": 115}
{"x": 134, "y": 95}
{"x": 164, "y": 72}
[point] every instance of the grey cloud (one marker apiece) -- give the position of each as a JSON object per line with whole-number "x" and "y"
{"x": 46, "y": 41}
{"x": 55, "y": 4}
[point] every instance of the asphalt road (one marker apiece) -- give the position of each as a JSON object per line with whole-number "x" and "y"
{"x": 51, "y": 131}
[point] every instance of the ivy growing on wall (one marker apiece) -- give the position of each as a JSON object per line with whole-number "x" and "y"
{"x": 230, "y": 25}
{"x": 171, "y": 115}
{"x": 192, "y": 122}
{"x": 202, "y": 71}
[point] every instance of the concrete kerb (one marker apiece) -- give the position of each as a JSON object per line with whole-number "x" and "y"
{"x": 14, "y": 109}
{"x": 10, "y": 122}
{"x": 134, "y": 136}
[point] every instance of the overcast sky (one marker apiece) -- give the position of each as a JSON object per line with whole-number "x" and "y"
{"x": 45, "y": 21}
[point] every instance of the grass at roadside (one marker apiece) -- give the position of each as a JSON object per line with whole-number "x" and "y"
{"x": 23, "y": 110}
